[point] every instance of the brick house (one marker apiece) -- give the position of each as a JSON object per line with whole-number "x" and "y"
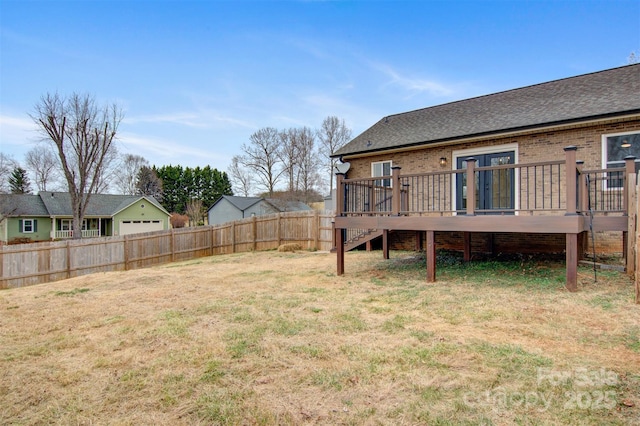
{"x": 543, "y": 164}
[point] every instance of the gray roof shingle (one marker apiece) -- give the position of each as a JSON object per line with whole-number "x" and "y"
{"x": 596, "y": 95}
{"x": 26, "y": 205}
{"x": 241, "y": 203}
{"x": 59, "y": 204}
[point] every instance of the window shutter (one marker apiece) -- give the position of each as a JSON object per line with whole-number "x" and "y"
{"x": 35, "y": 225}
{"x": 20, "y": 226}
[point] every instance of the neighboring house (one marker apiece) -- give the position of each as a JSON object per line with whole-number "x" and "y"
{"x": 47, "y": 216}
{"x": 229, "y": 208}
{"x": 415, "y": 165}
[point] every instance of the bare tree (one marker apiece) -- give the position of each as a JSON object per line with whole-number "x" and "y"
{"x": 7, "y": 164}
{"x": 333, "y": 135}
{"x": 261, "y": 156}
{"x": 241, "y": 178}
{"x": 43, "y": 164}
{"x": 195, "y": 211}
{"x": 83, "y": 135}
{"x": 288, "y": 155}
{"x": 105, "y": 177}
{"x": 126, "y": 174}
{"x": 308, "y": 162}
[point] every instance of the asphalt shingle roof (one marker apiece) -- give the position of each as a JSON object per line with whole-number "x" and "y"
{"x": 22, "y": 205}
{"x": 241, "y": 203}
{"x": 596, "y": 95}
{"x": 59, "y": 204}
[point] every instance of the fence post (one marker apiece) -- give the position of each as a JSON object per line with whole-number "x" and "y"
{"x": 125, "y": 244}
{"x": 2, "y": 280}
{"x": 68, "y": 259}
{"x": 471, "y": 186}
{"x": 395, "y": 188}
{"x": 173, "y": 245}
{"x": 211, "y": 234}
{"x": 571, "y": 181}
{"x": 278, "y": 229}
{"x": 233, "y": 237}
{"x": 315, "y": 229}
{"x": 254, "y": 232}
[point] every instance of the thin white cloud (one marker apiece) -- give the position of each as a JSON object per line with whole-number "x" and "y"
{"x": 159, "y": 151}
{"x": 413, "y": 85}
{"x": 196, "y": 120}
{"x": 183, "y": 119}
{"x": 17, "y": 131}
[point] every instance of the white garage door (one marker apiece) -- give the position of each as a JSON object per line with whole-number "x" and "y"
{"x": 137, "y": 226}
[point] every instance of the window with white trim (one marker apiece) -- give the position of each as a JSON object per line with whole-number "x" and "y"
{"x": 615, "y": 147}
{"x": 28, "y": 226}
{"x": 381, "y": 168}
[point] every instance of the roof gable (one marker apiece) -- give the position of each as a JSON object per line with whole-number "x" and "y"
{"x": 586, "y": 97}
{"x": 241, "y": 203}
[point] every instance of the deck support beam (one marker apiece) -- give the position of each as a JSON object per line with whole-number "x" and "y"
{"x": 430, "y": 250}
{"x": 466, "y": 241}
{"x": 385, "y": 244}
{"x": 418, "y": 246}
{"x": 339, "y": 236}
{"x": 572, "y": 262}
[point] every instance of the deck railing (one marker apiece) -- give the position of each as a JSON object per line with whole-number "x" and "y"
{"x": 541, "y": 188}
{"x": 86, "y": 233}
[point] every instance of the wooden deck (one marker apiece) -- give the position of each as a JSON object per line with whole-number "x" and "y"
{"x": 555, "y": 197}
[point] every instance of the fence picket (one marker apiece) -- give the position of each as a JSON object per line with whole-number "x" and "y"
{"x": 37, "y": 263}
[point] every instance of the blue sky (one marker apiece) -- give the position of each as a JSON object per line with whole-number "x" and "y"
{"x": 196, "y": 78}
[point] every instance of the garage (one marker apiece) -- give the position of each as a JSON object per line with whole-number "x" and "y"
{"x": 137, "y": 226}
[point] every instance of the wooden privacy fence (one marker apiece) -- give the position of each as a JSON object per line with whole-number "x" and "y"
{"x": 37, "y": 263}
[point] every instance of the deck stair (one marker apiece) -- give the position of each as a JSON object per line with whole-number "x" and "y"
{"x": 362, "y": 237}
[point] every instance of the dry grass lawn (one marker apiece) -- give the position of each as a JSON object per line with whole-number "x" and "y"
{"x": 277, "y": 338}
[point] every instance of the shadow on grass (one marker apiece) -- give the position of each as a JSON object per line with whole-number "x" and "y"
{"x": 530, "y": 272}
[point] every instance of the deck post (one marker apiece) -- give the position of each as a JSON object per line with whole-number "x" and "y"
{"x": 339, "y": 194}
{"x": 431, "y": 256}
{"x": 339, "y": 232}
{"x": 628, "y": 237}
{"x": 572, "y": 262}
{"x": 385, "y": 244}
{"x": 339, "y": 237}
{"x": 583, "y": 197}
{"x": 395, "y": 188}
{"x": 471, "y": 186}
{"x": 418, "y": 246}
{"x": 571, "y": 179}
{"x": 466, "y": 242}
{"x": 630, "y": 167}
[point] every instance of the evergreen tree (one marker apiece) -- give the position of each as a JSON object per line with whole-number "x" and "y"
{"x": 148, "y": 183}
{"x": 19, "y": 181}
{"x": 183, "y": 185}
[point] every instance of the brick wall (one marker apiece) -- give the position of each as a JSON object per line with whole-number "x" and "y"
{"x": 606, "y": 242}
{"x": 532, "y": 147}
